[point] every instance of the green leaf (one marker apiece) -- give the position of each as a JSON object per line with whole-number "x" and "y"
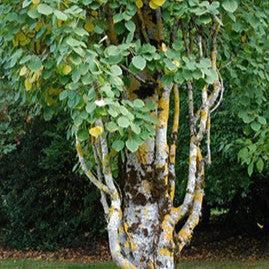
{"x": 112, "y": 112}
{"x": 169, "y": 65}
{"x": 246, "y": 117}
{"x": 81, "y": 32}
{"x": 83, "y": 135}
{"x": 205, "y": 63}
{"x": 90, "y": 107}
{"x": 118, "y": 145}
{"x": 73, "y": 42}
{"x": 44, "y": 9}
{"x": 60, "y": 15}
{"x": 123, "y": 122}
{"x": 250, "y": 169}
{"x": 33, "y": 13}
{"x": 243, "y": 154}
{"x": 35, "y": 63}
{"x": 135, "y": 128}
{"x": 112, "y": 127}
{"x": 87, "y": 2}
{"x": 107, "y": 90}
{"x": 255, "y": 126}
{"x": 63, "y": 95}
{"x": 260, "y": 165}
{"x": 262, "y": 120}
{"x": 212, "y": 75}
{"x": 48, "y": 114}
{"x": 116, "y": 70}
{"x": 230, "y": 5}
{"x": 151, "y": 105}
{"x": 139, "y": 62}
{"x": 130, "y": 25}
{"x": 132, "y": 144}
{"x": 112, "y": 50}
{"x": 138, "y": 103}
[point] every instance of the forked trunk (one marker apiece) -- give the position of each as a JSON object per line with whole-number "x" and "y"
{"x": 141, "y": 214}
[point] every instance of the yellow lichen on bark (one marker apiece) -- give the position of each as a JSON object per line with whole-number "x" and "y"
{"x": 172, "y": 192}
{"x": 199, "y": 155}
{"x": 172, "y": 154}
{"x": 133, "y": 246}
{"x": 143, "y": 154}
{"x": 147, "y": 187}
{"x": 164, "y": 110}
{"x": 79, "y": 149}
{"x": 183, "y": 234}
{"x": 166, "y": 252}
{"x": 126, "y": 265}
{"x": 166, "y": 178}
{"x": 127, "y": 244}
{"x": 114, "y": 196}
{"x": 168, "y": 236}
{"x": 176, "y": 110}
{"x": 151, "y": 265}
{"x": 198, "y": 196}
{"x": 204, "y": 115}
{"x": 121, "y": 229}
{"x": 192, "y": 157}
{"x": 125, "y": 225}
{"x": 111, "y": 211}
{"x": 165, "y": 224}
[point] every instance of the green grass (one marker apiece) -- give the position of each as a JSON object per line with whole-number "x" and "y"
{"x": 26, "y": 264}
{"x": 224, "y": 265}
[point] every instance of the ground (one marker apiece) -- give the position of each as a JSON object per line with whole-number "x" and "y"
{"x": 210, "y": 248}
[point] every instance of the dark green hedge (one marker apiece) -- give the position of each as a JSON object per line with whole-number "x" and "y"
{"x": 44, "y": 204}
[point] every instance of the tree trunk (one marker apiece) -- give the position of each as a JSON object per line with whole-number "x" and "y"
{"x": 144, "y": 211}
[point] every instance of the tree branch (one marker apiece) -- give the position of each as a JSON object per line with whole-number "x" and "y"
{"x": 173, "y": 147}
{"x": 88, "y": 173}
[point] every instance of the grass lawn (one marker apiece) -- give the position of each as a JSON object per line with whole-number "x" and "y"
{"x": 25, "y": 264}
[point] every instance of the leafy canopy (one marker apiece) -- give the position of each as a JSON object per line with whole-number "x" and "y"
{"x": 79, "y": 54}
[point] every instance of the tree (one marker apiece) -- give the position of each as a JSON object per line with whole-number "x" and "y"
{"x": 120, "y": 68}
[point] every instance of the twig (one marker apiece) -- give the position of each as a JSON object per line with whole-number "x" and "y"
{"x": 132, "y": 73}
{"x": 221, "y": 95}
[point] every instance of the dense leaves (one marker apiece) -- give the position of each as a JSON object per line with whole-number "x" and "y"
{"x": 44, "y": 203}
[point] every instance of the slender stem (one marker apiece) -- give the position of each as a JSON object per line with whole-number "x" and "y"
{"x": 88, "y": 172}
{"x": 143, "y": 25}
{"x": 111, "y": 27}
{"x": 159, "y": 25}
{"x": 173, "y": 147}
{"x": 132, "y": 73}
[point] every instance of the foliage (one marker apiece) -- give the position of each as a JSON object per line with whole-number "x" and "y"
{"x": 58, "y": 56}
{"x": 45, "y": 204}
{"x": 62, "y": 54}
{"x": 13, "y": 117}
{"x": 247, "y": 72}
